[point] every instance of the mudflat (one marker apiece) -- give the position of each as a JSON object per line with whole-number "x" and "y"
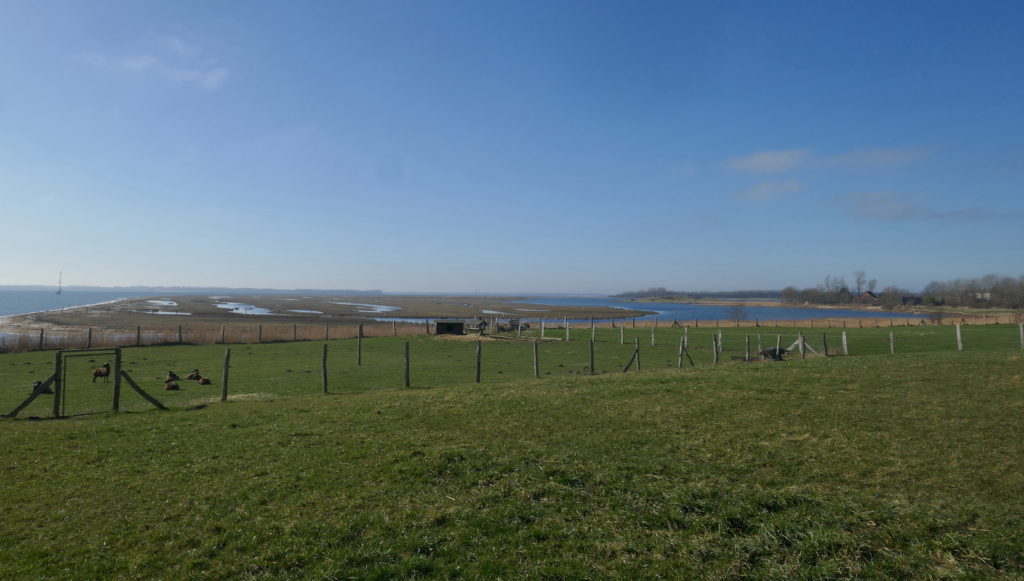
{"x": 299, "y": 308}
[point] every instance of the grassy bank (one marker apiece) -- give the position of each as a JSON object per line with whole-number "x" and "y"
{"x": 875, "y": 466}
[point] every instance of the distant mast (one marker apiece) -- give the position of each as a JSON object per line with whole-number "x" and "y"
{"x": 60, "y": 278}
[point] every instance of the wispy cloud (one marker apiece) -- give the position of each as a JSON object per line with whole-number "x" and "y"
{"x": 771, "y": 190}
{"x": 895, "y": 207}
{"x": 769, "y": 161}
{"x": 167, "y": 57}
{"x": 879, "y": 158}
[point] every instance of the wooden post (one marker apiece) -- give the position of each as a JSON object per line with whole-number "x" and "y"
{"x": 714, "y": 349}
{"x": 327, "y": 332}
{"x": 652, "y": 335}
{"x": 778, "y": 345}
{"x": 426, "y": 322}
{"x": 759, "y": 348}
{"x": 222, "y": 334}
{"x": 892, "y": 344}
{"x": 406, "y": 364}
{"x": 88, "y": 340}
{"x": 803, "y": 351}
{"x": 179, "y": 335}
{"x": 679, "y": 360}
{"x": 478, "y": 361}
{"x": 58, "y": 382}
{"x": 622, "y": 335}
{"x": 117, "y": 381}
{"x": 566, "y": 329}
{"x": 224, "y": 381}
{"x": 295, "y": 332}
{"x": 824, "y": 341}
{"x": 1020, "y": 328}
{"x": 959, "y": 339}
{"x": 259, "y": 334}
{"x": 536, "y": 359}
{"x": 686, "y": 338}
{"x": 637, "y": 347}
{"x": 593, "y": 329}
{"x": 41, "y": 334}
{"x": 138, "y": 336}
{"x": 746, "y": 340}
{"x": 542, "y": 328}
{"x": 394, "y": 329}
{"x": 323, "y": 368}
{"x": 359, "y": 346}
{"x": 592, "y": 372}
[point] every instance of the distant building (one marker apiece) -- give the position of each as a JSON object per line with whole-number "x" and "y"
{"x": 868, "y": 296}
{"x": 449, "y": 327}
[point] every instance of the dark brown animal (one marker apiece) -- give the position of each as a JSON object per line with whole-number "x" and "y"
{"x": 773, "y": 354}
{"x": 203, "y": 381}
{"x": 172, "y": 376}
{"x": 171, "y": 385}
{"x": 103, "y": 372}
{"x": 194, "y": 375}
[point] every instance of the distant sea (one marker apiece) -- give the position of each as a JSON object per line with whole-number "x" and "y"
{"x": 19, "y": 302}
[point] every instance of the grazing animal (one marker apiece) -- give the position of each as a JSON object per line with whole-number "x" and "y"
{"x": 194, "y": 375}
{"x": 172, "y": 376}
{"x": 773, "y": 353}
{"x": 203, "y": 381}
{"x": 171, "y": 385}
{"x": 103, "y": 372}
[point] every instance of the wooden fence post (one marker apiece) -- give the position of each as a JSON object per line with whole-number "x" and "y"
{"x": 593, "y": 329}
{"x": 179, "y": 335}
{"x": 394, "y": 329}
{"x": 803, "y": 349}
{"x": 536, "y": 359}
{"x": 542, "y": 328}
{"x": 679, "y": 361}
{"x": 824, "y": 341}
{"x": 637, "y": 354}
{"x": 652, "y": 335}
{"x": 41, "y": 334}
{"x": 686, "y": 338}
{"x": 224, "y": 381}
{"x": 959, "y": 339}
{"x": 746, "y": 341}
{"x": 892, "y": 344}
{"x": 222, "y": 334}
{"x": 88, "y": 340}
{"x": 295, "y": 332}
{"x": 138, "y": 336}
{"x": 622, "y": 335}
{"x": 714, "y": 349}
{"x": 592, "y": 372}
{"x": 778, "y": 345}
{"x": 406, "y": 364}
{"x": 327, "y": 332}
{"x": 117, "y": 381}
{"x": 846, "y": 350}
{"x": 478, "y": 361}
{"x": 359, "y": 346}
{"x": 566, "y": 329}
{"x": 323, "y": 368}
{"x": 1020, "y": 327}
{"x": 259, "y": 333}
{"x": 58, "y": 383}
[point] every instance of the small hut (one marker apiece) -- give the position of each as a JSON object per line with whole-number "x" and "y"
{"x": 449, "y": 327}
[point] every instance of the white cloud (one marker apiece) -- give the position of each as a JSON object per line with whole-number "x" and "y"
{"x": 170, "y": 58}
{"x": 771, "y": 189}
{"x": 769, "y": 161}
{"x": 879, "y": 158}
{"x": 894, "y": 207}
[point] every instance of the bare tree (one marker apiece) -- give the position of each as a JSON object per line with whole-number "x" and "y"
{"x": 859, "y": 278}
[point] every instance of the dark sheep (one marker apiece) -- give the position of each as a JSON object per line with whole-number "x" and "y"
{"x": 171, "y": 385}
{"x": 203, "y": 381}
{"x": 172, "y": 376}
{"x": 103, "y": 372}
{"x": 194, "y": 375}
{"x": 773, "y": 353}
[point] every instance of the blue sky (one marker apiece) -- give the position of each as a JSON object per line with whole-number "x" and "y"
{"x": 510, "y": 147}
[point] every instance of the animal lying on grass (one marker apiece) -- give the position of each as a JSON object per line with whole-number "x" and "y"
{"x": 773, "y": 353}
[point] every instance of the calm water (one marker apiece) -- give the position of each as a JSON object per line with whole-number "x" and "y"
{"x": 18, "y": 302}
{"x": 688, "y": 312}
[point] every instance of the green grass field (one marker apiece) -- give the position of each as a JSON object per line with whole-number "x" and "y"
{"x": 869, "y": 466}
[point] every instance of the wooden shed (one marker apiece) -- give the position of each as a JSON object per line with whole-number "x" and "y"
{"x": 449, "y": 327}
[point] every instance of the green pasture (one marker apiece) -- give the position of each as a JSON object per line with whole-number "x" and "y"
{"x": 285, "y": 369}
{"x": 870, "y": 466}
